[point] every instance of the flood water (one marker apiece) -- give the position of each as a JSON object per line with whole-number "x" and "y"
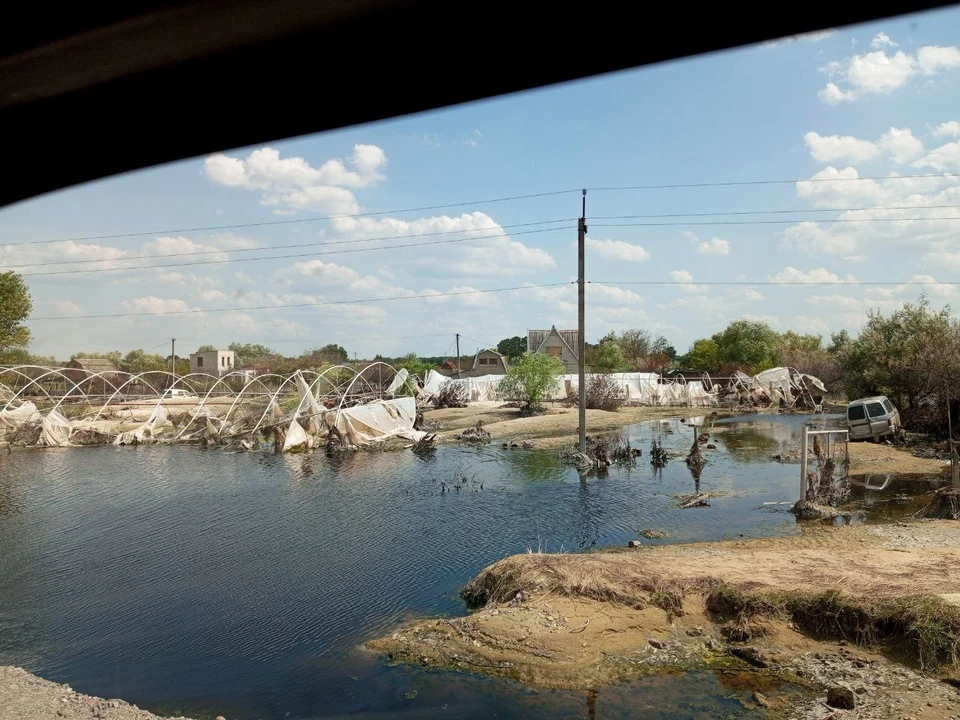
{"x": 212, "y": 583}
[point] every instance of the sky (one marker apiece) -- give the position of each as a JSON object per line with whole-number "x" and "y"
{"x": 777, "y": 182}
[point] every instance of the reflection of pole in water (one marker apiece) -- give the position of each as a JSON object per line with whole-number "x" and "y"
{"x": 586, "y": 528}
{"x": 695, "y": 471}
{"x": 591, "y": 705}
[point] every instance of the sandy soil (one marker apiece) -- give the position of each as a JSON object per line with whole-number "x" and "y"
{"x": 553, "y": 430}
{"x": 587, "y": 620}
{"x": 24, "y": 696}
{"x": 866, "y": 458}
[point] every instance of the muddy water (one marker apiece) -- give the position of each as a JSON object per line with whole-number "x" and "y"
{"x": 242, "y": 585}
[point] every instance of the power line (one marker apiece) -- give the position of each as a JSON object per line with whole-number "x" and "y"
{"x": 319, "y": 218}
{"x": 770, "y": 222}
{"x": 297, "y": 305}
{"x": 280, "y": 257}
{"x": 741, "y": 183}
{"x": 285, "y": 247}
{"x": 615, "y": 283}
{"x": 773, "y": 212}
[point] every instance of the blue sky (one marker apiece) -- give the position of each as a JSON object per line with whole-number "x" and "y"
{"x": 873, "y": 101}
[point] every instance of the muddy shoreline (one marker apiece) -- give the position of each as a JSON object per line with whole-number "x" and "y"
{"x": 590, "y": 620}
{"x": 24, "y": 696}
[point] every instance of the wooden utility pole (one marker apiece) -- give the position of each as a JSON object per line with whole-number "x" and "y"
{"x": 458, "y": 356}
{"x": 173, "y": 358}
{"x": 581, "y": 341}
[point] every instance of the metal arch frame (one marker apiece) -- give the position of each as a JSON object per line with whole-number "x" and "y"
{"x": 350, "y": 386}
{"x": 53, "y": 371}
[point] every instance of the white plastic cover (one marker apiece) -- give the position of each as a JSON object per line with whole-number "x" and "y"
{"x": 146, "y": 431}
{"x": 398, "y": 380}
{"x": 296, "y": 437}
{"x": 377, "y": 421}
{"x": 12, "y": 419}
{"x": 55, "y": 430}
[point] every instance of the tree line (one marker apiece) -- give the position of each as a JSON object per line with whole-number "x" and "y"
{"x": 911, "y": 355}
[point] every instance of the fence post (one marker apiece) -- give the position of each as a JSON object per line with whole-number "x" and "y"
{"x": 803, "y": 464}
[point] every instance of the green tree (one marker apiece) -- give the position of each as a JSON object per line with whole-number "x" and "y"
{"x": 703, "y": 355}
{"x": 513, "y": 347}
{"x": 15, "y": 307}
{"x": 748, "y": 344}
{"x": 901, "y": 356}
{"x": 607, "y": 357}
{"x": 531, "y": 379}
{"x": 138, "y": 361}
{"x": 248, "y": 354}
{"x": 207, "y": 348}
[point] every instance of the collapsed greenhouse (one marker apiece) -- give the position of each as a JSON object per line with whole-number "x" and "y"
{"x": 338, "y": 408}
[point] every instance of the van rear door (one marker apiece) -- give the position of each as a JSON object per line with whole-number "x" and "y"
{"x": 879, "y": 417}
{"x": 857, "y": 421}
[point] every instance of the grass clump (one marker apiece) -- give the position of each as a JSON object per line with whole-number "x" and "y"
{"x": 926, "y": 628}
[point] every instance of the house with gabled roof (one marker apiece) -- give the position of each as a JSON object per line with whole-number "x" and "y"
{"x": 487, "y": 362}
{"x": 561, "y": 344}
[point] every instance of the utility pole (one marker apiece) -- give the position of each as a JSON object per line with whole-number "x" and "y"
{"x": 458, "y": 356}
{"x": 581, "y": 343}
{"x": 173, "y": 358}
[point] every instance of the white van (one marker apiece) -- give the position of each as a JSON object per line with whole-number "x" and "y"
{"x": 178, "y": 393}
{"x": 872, "y": 417}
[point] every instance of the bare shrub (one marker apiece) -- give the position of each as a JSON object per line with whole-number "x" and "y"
{"x": 451, "y": 395}
{"x": 603, "y": 393}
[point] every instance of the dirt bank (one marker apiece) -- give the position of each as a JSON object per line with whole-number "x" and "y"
{"x": 780, "y": 605}
{"x": 24, "y": 696}
{"x": 554, "y": 429}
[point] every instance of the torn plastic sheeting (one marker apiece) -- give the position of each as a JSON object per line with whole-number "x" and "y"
{"x": 398, "y": 380}
{"x": 432, "y": 382}
{"x": 12, "y": 419}
{"x": 377, "y": 421}
{"x": 146, "y": 431}
{"x": 55, "y": 430}
{"x": 296, "y": 438}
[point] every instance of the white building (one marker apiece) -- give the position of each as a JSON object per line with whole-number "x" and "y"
{"x": 214, "y": 362}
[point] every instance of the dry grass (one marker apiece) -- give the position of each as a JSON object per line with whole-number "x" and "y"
{"x": 925, "y": 627}
{"x": 944, "y": 505}
{"x": 583, "y": 576}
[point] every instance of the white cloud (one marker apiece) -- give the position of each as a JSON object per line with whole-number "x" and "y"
{"x": 791, "y": 275}
{"x": 746, "y": 294}
{"x": 684, "y": 278}
{"x": 489, "y": 250}
{"x": 292, "y": 182}
{"x": 934, "y": 58}
{"x": 67, "y": 308}
{"x": 882, "y": 40}
{"x": 815, "y": 36}
{"x": 827, "y": 148}
{"x": 618, "y": 250}
{"x": 951, "y": 128}
{"x": 944, "y": 158}
{"x": 714, "y": 246}
{"x": 153, "y": 304}
{"x": 813, "y": 239}
{"x": 880, "y": 73}
{"x": 900, "y": 143}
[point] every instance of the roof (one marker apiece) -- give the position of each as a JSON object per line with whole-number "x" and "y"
{"x": 94, "y": 364}
{"x": 503, "y": 358}
{"x": 536, "y": 339}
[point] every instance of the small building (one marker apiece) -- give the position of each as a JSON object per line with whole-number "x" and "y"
{"x": 560, "y": 344}
{"x": 93, "y": 375}
{"x": 214, "y": 363}
{"x": 487, "y": 362}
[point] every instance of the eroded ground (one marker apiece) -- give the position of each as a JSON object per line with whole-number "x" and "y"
{"x": 587, "y": 620}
